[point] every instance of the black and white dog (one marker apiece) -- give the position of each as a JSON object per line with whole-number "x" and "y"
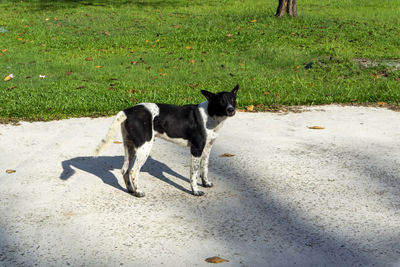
{"x": 194, "y": 126}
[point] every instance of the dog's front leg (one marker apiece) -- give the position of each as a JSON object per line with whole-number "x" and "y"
{"x": 194, "y": 170}
{"x": 204, "y": 165}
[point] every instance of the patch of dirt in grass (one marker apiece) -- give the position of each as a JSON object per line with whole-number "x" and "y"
{"x": 370, "y": 63}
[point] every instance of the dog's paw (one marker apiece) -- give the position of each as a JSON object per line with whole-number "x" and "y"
{"x": 139, "y": 193}
{"x": 208, "y": 184}
{"x": 198, "y": 193}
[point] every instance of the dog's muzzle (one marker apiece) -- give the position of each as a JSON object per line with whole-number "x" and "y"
{"x": 230, "y": 111}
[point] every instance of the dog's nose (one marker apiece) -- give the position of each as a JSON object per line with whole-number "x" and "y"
{"x": 230, "y": 110}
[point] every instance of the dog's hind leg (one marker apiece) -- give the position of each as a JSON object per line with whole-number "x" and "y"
{"x": 128, "y": 160}
{"x": 142, "y": 153}
{"x": 127, "y": 167}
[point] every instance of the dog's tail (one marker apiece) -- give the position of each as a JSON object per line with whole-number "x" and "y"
{"x": 112, "y": 132}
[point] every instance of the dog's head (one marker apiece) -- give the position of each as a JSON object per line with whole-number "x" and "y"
{"x": 221, "y": 104}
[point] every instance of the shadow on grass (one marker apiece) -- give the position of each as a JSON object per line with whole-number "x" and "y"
{"x": 56, "y": 4}
{"x": 102, "y": 167}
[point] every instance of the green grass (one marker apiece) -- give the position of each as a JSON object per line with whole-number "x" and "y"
{"x": 181, "y": 47}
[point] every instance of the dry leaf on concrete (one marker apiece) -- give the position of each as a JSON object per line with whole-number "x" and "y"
{"x": 316, "y": 127}
{"x": 215, "y": 260}
{"x": 226, "y": 155}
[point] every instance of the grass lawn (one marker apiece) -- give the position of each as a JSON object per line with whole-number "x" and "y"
{"x": 99, "y": 57}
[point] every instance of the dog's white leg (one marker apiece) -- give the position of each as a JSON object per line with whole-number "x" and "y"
{"x": 127, "y": 152}
{"x": 194, "y": 170}
{"x": 142, "y": 153}
{"x": 204, "y": 165}
{"x": 126, "y": 168}
{"x": 128, "y": 161}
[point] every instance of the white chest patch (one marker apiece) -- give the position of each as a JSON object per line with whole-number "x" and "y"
{"x": 211, "y": 125}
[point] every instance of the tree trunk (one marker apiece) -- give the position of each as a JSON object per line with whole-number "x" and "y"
{"x": 287, "y": 6}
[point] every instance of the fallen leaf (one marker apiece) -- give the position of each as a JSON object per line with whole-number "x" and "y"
{"x": 187, "y": 98}
{"x": 192, "y": 61}
{"x": 216, "y": 260}
{"x": 177, "y": 26}
{"x": 110, "y": 88}
{"x": 89, "y": 59}
{"x": 80, "y": 87}
{"x": 68, "y": 73}
{"x": 189, "y": 47}
{"x": 250, "y": 108}
{"x": 254, "y": 20}
{"x": 193, "y": 85}
{"x": 117, "y": 142}
{"x": 9, "y": 77}
{"x": 377, "y": 76}
{"x": 381, "y": 103}
{"x": 316, "y": 127}
{"x": 229, "y": 35}
{"x": 241, "y": 64}
{"x": 267, "y": 92}
{"x": 98, "y": 67}
{"x": 11, "y": 87}
{"x": 163, "y": 74}
{"x": 106, "y": 33}
{"x": 10, "y": 171}
{"x": 226, "y": 155}
{"x": 69, "y": 214}
{"x": 134, "y": 62}
{"x": 4, "y": 50}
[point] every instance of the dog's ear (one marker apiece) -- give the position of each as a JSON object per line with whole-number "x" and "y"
{"x": 234, "y": 91}
{"x": 208, "y": 94}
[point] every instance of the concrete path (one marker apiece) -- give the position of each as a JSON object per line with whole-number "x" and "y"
{"x": 290, "y": 195}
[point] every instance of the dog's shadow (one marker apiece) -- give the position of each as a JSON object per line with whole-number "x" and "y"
{"x": 102, "y": 166}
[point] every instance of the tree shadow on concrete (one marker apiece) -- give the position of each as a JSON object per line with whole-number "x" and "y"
{"x": 261, "y": 206}
{"x": 102, "y": 167}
